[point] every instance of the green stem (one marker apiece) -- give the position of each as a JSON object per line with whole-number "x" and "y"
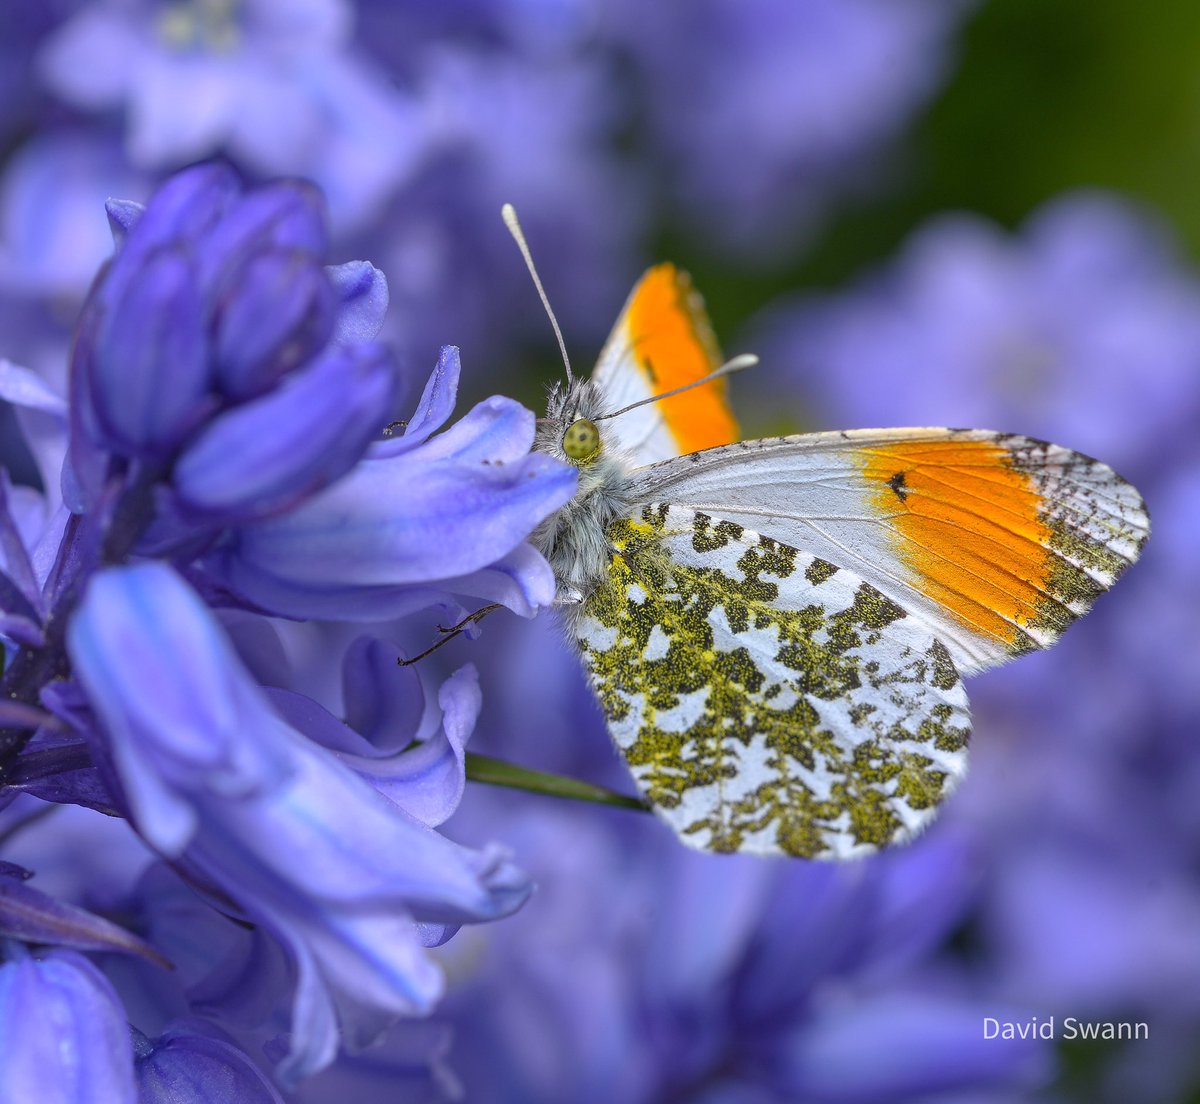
{"x": 496, "y": 772}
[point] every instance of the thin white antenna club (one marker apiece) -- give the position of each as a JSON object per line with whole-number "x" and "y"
{"x": 509, "y": 214}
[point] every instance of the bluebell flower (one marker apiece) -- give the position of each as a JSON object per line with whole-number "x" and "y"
{"x": 31, "y": 916}
{"x": 417, "y": 124}
{"x": 271, "y": 84}
{"x": 62, "y": 1030}
{"x": 215, "y": 315}
{"x": 1059, "y": 331}
{"x": 223, "y": 379}
{"x": 753, "y": 982}
{"x": 536, "y": 132}
{"x": 446, "y": 513}
{"x": 237, "y": 812}
{"x": 53, "y": 240}
{"x": 762, "y": 114}
{"x": 191, "y": 1064}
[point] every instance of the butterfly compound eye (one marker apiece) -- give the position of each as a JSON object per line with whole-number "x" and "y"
{"x": 582, "y": 439}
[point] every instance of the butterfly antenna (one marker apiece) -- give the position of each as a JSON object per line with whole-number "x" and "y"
{"x": 736, "y": 364}
{"x": 509, "y": 215}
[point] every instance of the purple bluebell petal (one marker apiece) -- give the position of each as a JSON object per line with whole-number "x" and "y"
{"x": 267, "y": 454}
{"x": 362, "y": 292}
{"x": 278, "y": 217}
{"x": 385, "y": 703}
{"x": 44, "y": 553}
{"x": 183, "y": 107}
{"x": 21, "y": 630}
{"x": 151, "y": 367}
{"x": 62, "y": 1032}
{"x": 232, "y": 971}
{"x": 906, "y": 1046}
{"x": 383, "y": 526}
{"x": 1076, "y": 950}
{"x": 279, "y": 313}
{"x": 14, "y": 555}
{"x": 211, "y": 769}
{"x": 187, "y": 206}
{"x": 1058, "y": 329}
{"x": 194, "y": 1064}
{"x": 496, "y": 431}
{"x": 262, "y": 591}
{"x": 59, "y": 768}
{"x": 522, "y": 581}
{"x": 20, "y": 715}
{"x": 31, "y": 916}
{"x": 122, "y": 217}
{"x": 130, "y": 627}
{"x": 436, "y": 405}
{"x": 42, "y": 415}
{"x": 19, "y": 620}
{"x": 921, "y": 893}
{"x": 427, "y": 780}
{"x": 842, "y": 77}
{"x": 87, "y": 59}
{"x": 258, "y": 646}
{"x": 51, "y": 240}
{"x": 317, "y": 723}
{"x": 27, "y": 389}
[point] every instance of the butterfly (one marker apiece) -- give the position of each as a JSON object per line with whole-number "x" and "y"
{"x": 777, "y": 630}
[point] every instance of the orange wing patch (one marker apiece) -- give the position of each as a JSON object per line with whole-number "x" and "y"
{"x": 673, "y": 343}
{"x": 971, "y": 527}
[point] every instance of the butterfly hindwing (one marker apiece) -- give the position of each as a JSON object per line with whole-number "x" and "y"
{"x": 766, "y": 700}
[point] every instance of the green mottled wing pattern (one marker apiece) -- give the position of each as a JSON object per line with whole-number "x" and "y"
{"x": 765, "y": 700}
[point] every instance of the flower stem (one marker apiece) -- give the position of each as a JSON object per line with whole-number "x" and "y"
{"x": 496, "y": 772}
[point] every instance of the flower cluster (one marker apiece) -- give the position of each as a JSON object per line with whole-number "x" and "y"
{"x": 591, "y": 118}
{"x": 211, "y": 465}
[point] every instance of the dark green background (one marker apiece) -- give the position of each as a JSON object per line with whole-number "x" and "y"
{"x": 1043, "y": 96}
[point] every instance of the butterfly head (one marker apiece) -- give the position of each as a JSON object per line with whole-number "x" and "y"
{"x": 581, "y": 442}
{"x": 571, "y": 428}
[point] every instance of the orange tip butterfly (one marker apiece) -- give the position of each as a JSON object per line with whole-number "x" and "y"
{"x": 776, "y": 629}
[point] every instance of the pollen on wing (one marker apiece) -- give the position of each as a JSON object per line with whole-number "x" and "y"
{"x": 730, "y": 698}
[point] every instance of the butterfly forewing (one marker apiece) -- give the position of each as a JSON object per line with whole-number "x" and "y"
{"x": 766, "y": 700}
{"x": 663, "y": 340}
{"x": 996, "y": 542}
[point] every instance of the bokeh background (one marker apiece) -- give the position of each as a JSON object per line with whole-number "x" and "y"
{"x": 917, "y": 212}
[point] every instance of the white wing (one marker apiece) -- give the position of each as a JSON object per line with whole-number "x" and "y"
{"x": 765, "y": 700}
{"x": 996, "y": 542}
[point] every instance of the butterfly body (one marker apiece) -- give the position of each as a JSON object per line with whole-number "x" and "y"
{"x": 575, "y": 539}
{"x": 775, "y": 629}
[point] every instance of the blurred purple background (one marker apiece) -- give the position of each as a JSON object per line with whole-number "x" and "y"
{"x": 918, "y": 213}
